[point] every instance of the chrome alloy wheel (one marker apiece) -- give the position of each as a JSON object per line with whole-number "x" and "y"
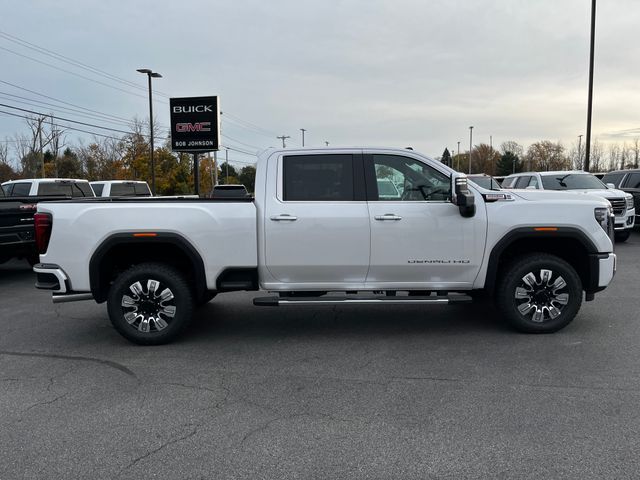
{"x": 541, "y": 296}
{"x": 147, "y": 310}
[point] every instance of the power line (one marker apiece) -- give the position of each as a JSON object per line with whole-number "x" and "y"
{"x": 76, "y": 74}
{"x": 71, "y": 61}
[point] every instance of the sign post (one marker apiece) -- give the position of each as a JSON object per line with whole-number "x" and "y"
{"x": 195, "y": 128}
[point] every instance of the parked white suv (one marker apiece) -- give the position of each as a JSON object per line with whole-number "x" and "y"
{"x": 580, "y": 182}
{"x": 121, "y": 188}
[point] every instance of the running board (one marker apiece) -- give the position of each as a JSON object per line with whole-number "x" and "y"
{"x": 370, "y": 300}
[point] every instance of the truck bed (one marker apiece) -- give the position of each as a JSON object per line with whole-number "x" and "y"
{"x": 222, "y": 231}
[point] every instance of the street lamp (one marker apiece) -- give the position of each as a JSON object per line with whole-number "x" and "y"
{"x": 150, "y": 74}
{"x": 303, "y": 130}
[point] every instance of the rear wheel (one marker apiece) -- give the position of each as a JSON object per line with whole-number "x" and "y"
{"x": 623, "y": 236}
{"x": 150, "y": 304}
{"x": 539, "y": 293}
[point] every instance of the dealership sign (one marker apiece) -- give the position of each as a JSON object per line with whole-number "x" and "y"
{"x": 195, "y": 125}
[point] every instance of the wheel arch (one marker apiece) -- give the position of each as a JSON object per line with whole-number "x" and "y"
{"x": 568, "y": 243}
{"x": 122, "y": 250}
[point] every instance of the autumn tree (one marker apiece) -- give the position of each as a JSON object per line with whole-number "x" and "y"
{"x": 484, "y": 159}
{"x": 545, "y": 156}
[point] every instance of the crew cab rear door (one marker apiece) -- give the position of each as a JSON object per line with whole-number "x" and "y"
{"x": 419, "y": 239}
{"x": 316, "y": 220}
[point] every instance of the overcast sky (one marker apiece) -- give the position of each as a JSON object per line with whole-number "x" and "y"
{"x": 375, "y": 72}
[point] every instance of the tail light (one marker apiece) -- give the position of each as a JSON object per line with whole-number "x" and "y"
{"x": 43, "y": 223}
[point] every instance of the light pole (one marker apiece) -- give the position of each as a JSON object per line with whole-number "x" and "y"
{"x": 587, "y": 150}
{"x": 470, "y": 145}
{"x": 458, "y": 157}
{"x": 303, "y": 130}
{"x": 580, "y": 151}
{"x": 226, "y": 162}
{"x": 150, "y": 74}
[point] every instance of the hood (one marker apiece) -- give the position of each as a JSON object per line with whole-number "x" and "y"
{"x": 608, "y": 193}
{"x": 554, "y": 196}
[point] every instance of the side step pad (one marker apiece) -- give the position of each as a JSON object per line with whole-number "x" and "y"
{"x": 275, "y": 300}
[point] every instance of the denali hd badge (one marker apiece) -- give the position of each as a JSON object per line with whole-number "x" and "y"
{"x": 439, "y": 262}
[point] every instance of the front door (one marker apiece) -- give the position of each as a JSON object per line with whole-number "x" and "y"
{"x": 418, "y": 237}
{"x": 317, "y": 222}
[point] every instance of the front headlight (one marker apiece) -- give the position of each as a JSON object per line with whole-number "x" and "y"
{"x": 603, "y": 217}
{"x": 629, "y": 202}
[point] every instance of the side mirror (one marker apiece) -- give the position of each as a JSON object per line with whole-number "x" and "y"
{"x": 463, "y": 198}
{"x": 610, "y": 185}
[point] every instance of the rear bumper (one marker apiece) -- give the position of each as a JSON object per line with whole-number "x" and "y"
{"x": 51, "y": 277}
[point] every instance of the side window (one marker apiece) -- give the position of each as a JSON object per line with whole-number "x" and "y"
{"x": 401, "y": 178}
{"x": 98, "y": 188}
{"x": 6, "y": 189}
{"x": 614, "y": 178}
{"x": 509, "y": 182}
{"x": 122, "y": 190}
{"x": 633, "y": 181}
{"x": 523, "y": 181}
{"x": 533, "y": 182}
{"x": 318, "y": 178}
{"x": 20, "y": 189}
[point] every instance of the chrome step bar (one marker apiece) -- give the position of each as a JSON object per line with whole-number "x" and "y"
{"x": 275, "y": 301}
{"x": 71, "y": 297}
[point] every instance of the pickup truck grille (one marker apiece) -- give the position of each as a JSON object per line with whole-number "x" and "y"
{"x": 619, "y": 205}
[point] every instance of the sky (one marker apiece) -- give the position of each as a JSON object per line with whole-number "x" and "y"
{"x": 359, "y": 72}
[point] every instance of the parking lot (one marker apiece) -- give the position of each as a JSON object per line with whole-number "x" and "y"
{"x": 308, "y": 392}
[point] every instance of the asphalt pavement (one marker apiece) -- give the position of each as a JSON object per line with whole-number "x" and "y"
{"x": 388, "y": 392}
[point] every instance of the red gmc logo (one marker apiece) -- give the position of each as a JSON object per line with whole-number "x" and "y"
{"x": 193, "y": 127}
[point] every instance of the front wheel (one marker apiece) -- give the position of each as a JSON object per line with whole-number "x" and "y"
{"x": 150, "y": 304}
{"x": 623, "y": 235}
{"x": 539, "y": 293}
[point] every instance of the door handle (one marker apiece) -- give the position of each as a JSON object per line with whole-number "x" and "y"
{"x": 388, "y": 216}
{"x": 284, "y": 218}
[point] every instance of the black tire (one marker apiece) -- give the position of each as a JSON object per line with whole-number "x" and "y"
{"x": 623, "y": 236}
{"x": 521, "y": 300}
{"x": 159, "y": 317}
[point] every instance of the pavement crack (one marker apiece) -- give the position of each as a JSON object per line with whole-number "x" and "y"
{"x": 165, "y": 444}
{"x": 107, "y": 363}
{"x": 46, "y": 402}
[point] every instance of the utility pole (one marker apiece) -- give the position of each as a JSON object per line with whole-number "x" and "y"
{"x": 226, "y": 161}
{"x": 458, "y": 159}
{"x": 303, "y": 130}
{"x": 587, "y": 151}
{"x": 215, "y": 167}
{"x": 470, "y": 145}
{"x": 283, "y": 138}
{"x": 580, "y": 151}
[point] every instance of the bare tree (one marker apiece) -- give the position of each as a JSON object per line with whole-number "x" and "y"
{"x": 4, "y": 152}
{"x": 635, "y": 150}
{"x": 597, "y": 157}
{"x": 56, "y": 136}
{"x": 614, "y": 156}
{"x": 512, "y": 147}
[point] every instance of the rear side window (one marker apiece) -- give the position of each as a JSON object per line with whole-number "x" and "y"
{"x": 614, "y": 178}
{"x": 633, "y": 181}
{"x": 82, "y": 189}
{"x": 20, "y": 189}
{"x": 142, "y": 189}
{"x": 523, "y": 181}
{"x": 122, "y": 190}
{"x": 98, "y": 188}
{"x": 318, "y": 178}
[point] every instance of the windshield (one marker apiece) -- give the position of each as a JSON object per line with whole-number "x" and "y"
{"x": 572, "y": 181}
{"x": 485, "y": 182}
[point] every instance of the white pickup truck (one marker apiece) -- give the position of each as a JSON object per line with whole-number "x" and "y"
{"x": 318, "y": 232}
